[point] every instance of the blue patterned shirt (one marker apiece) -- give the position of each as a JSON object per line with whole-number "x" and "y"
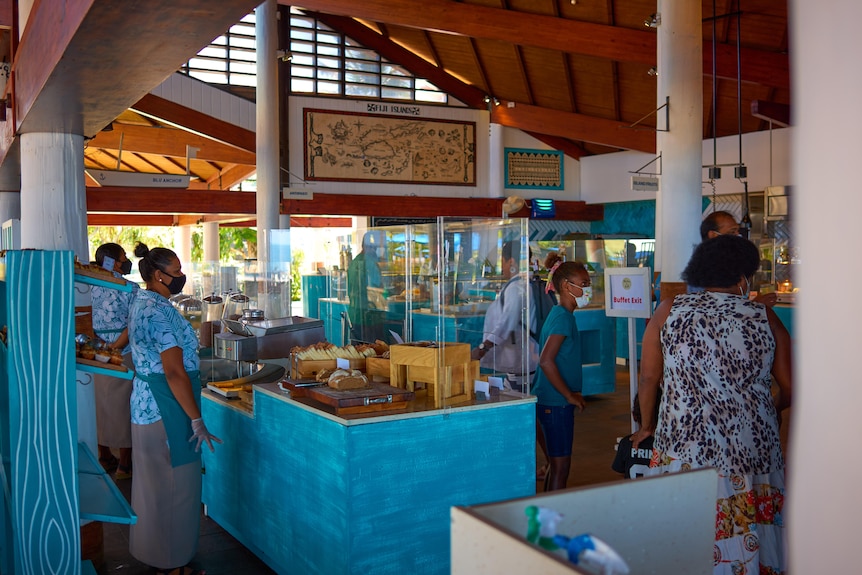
{"x": 156, "y": 326}
{"x": 111, "y": 310}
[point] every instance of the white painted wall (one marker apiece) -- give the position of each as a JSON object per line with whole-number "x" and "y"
{"x": 824, "y": 505}
{"x": 606, "y": 178}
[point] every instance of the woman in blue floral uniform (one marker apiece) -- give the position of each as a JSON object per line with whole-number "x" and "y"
{"x": 715, "y": 353}
{"x": 167, "y": 428}
{"x": 110, "y": 320}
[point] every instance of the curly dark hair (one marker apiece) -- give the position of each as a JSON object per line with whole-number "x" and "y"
{"x": 721, "y": 261}
{"x": 153, "y": 259}
{"x": 551, "y": 259}
{"x": 564, "y": 272}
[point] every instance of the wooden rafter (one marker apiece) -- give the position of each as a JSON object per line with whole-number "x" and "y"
{"x": 173, "y": 114}
{"x": 169, "y": 142}
{"x": 575, "y": 127}
{"x": 560, "y": 34}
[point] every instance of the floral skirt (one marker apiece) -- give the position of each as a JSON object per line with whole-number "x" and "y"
{"x": 749, "y": 523}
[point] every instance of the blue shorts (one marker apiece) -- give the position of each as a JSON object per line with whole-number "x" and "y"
{"x": 558, "y": 425}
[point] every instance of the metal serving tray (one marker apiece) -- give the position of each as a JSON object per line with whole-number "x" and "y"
{"x": 281, "y": 325}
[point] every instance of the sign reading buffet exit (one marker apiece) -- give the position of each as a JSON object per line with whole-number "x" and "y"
{"x": 628, "y": 292}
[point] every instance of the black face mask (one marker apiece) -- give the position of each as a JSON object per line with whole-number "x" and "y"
{"x": 177, "y": 283}
{"x": 126, "y": 267}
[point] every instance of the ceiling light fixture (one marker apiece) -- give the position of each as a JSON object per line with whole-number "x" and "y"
{"x": 496, "y": 101}
{"x": 653, "y": 21}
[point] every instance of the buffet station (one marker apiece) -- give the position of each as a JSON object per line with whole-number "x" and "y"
{"x": 347, "y": 459}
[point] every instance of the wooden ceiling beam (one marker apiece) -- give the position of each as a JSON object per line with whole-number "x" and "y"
{"x": 499, "y": 24}
{"x": 164, "y": 200}
{"x": 559, "y": 34}
{"x": 424, "y": 207}
{"x": 169, "y": 142}
{"x": 771, "y": 111}
{"x": 167, "y": 112}
{"x": 574, "y": 127}
{"x": 562, "y": 144}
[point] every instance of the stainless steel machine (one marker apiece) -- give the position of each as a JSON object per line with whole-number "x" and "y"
{"x": 252, "y": 340}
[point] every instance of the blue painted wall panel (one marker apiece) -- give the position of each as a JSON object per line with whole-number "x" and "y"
{"x": 373, "y": 498}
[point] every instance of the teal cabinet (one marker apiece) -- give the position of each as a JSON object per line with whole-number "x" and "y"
{"x": 622, "y": 336}
{"x": 597, "y": 351}
{"x": 314, "y": 287}
{"x": 310, "y": 492}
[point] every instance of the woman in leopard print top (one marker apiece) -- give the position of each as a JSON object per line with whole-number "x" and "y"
{"x": 714, "y": 354}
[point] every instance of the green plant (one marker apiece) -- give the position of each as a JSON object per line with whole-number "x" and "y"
{"x": 296, "y": 275}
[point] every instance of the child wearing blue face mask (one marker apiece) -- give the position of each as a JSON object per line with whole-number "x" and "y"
{"x": 559, "y": 379}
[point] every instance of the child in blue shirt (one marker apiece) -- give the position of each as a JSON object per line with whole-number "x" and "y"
{"x": 559, "y": 379}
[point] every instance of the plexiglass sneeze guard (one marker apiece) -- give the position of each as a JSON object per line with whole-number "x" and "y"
{"x": 225, "y": 290}
{"x": 431, "y": 286}
{"x": 479, "y": 293}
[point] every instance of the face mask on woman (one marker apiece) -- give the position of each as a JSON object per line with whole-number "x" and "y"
{"x": 177, "y": 283}
{"x": 586, "y": 295}
{"x": 126, "y": 267}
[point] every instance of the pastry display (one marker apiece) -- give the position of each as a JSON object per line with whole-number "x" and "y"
{"x": 326, "y": 350}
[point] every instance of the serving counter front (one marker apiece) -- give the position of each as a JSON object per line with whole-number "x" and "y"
{"x": 311, "y": 492}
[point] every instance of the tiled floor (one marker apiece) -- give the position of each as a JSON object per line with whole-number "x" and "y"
{"x": 596, "y": 429}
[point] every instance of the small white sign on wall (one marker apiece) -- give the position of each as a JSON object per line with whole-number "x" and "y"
{"x": 628, "y": 292}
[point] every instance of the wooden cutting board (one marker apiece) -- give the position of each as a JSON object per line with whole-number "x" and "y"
{"x": 377, "y": 397}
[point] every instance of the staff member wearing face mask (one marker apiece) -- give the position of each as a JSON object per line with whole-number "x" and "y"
{"x": 559, "y": 380}
{"x": 167, "y": 428}
{"x": 110, "y": 320}
{"x": 714, "y": 354}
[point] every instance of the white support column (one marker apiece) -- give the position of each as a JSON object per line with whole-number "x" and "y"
{"x": 268, "y": 180}
{"x": 183, "y": 249}
{"x": 211, "y": 242}
{"x": 680, "y": 78}
{"x": 496, "y": 185}
{"x": 53, "y": 198}
{"x": 823, "y": 502}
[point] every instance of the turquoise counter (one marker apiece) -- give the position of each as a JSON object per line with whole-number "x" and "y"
{"x": 785, "y": 314}
{"x": 310, "y": 492}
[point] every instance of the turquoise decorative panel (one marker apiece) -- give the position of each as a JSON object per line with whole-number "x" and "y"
{"x": 633, "y": 219}
{"x": 321, "y": 497}
{"x": 41, "y": 427}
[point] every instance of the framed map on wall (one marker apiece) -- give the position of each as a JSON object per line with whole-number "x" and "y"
{"x": 356, "y": 147}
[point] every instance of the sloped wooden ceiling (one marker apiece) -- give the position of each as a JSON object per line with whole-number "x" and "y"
{"x": 577, "y": 72}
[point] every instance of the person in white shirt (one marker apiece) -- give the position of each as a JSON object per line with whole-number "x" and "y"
{"x": 503, "y": 349}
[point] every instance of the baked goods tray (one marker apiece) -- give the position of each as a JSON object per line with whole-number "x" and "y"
{"x": 228, "y": 392}
{"x": 86, "y": 276}
{"x": 94, "y": 366}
